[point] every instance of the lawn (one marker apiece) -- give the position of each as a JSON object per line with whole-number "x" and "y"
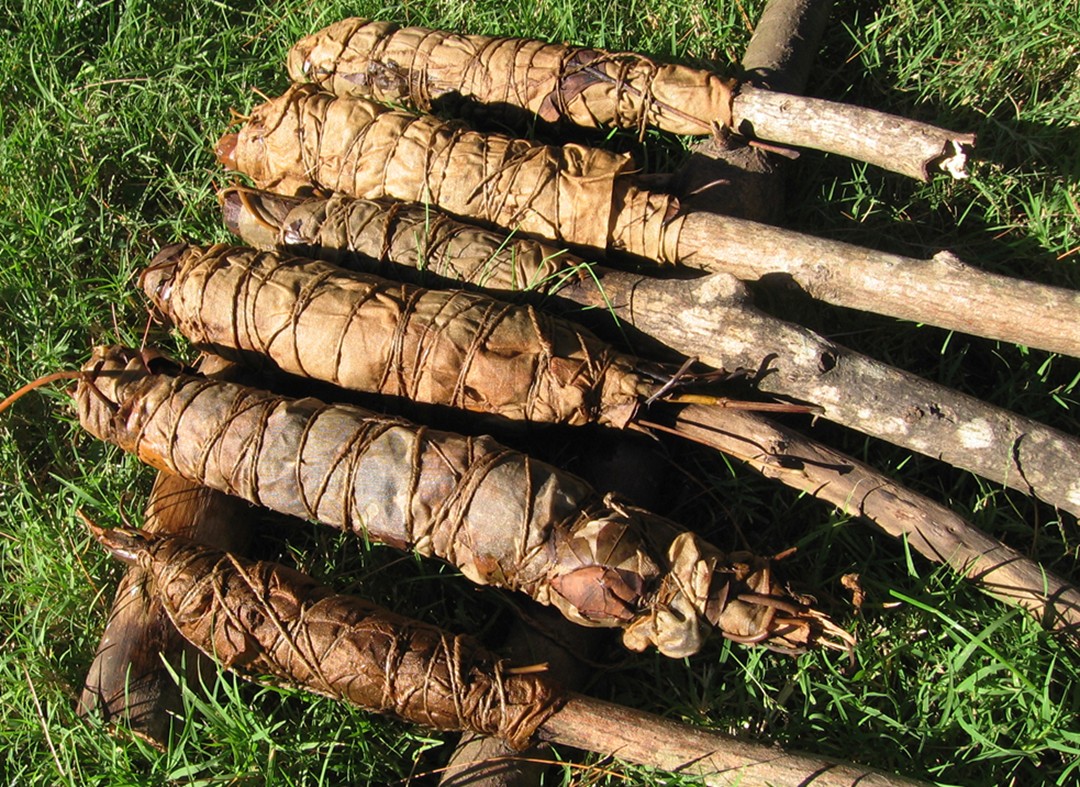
{"x": 108, "y": 116}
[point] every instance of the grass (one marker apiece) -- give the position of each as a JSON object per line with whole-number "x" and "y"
{"x": 108, "y": 114}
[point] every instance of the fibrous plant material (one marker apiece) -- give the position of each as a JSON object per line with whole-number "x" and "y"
{"x": 366, "y": 333}
{"x": 710, "y": 318}
{"x": 131, "y": 678}
{"x": 266, "y": 620}
{"x": 586, "y": 197}
{"x": 594, "y": 88}
{"x": 391, "y": 236}
{"x": 681, "y": 314}
{"x": 501, "y": 517}
{"x": 269, "y": 622}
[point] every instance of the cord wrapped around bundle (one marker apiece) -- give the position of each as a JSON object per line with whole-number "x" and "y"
{"x": 366, "y": 333}
{"x": 308, "y": 139}
{"x": 501, "y": 517}
{"x": 395, "y": 237}
{"x": 519, "y": 80}
{"x": 265, "y": 620}
{"x": 588, "y": 87}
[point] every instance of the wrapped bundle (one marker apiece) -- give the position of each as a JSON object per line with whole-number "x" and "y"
{"x": 501, "y": 517}
{"x": 587, "y": 87}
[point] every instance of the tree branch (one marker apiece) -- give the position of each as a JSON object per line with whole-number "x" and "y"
{"x": 894, "y": 143}
{"x": 711, "y": 318}
{"x": 645, "y": 739}
{"x": 941, "y": 291}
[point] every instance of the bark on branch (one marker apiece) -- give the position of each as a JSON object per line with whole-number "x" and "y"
{"x": 897, "y": 144}
{"x": 712, "y": 319}
{"x": 930, "y": 528}
{"x": 646, "y": 739}
{"x": 940, "y": 291}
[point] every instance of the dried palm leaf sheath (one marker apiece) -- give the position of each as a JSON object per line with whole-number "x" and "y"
{"x": 309, "y": 138}
{"x": 266, "y": 620}
{"x": 594, "y": 88}
{"x": 501, "y": 517}
{"x": 365, "y": 333}
{"x": 587, "y": 87}
{"x": 393, "y": 236}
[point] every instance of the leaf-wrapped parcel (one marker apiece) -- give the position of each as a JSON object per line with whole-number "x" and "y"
{"x": 501, "y": 517}
{"x": 394, "y": 237}
{"x": 587, "y": 87}
{"x": 307, "y": 138}
{"x": 266, "y": 620}
{"x": 366, "y": 333}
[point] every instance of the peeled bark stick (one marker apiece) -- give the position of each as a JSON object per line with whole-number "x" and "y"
{"x": 941, "y": 291}
{"x": 930, "y": 528}
{"x": 594, "y": 88}
{"x": 501, "y": 517}
{"x": 710, "y": 318}
{"x": 586, "y": 197}
{"x": 128, "y": 681}
{"x": 267, "y": 621}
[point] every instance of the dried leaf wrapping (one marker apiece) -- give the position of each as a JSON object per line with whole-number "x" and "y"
{"x": 387, "y": 235}
{"x": 501, "y": 517}
{"x": 569, "y": 193}
{"x": 264, "y": 620}
{"x": 587, "y": 87}
{"x": 365, "y": 333}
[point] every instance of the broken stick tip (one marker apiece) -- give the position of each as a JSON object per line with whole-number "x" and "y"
{"x": 954, "y": 157}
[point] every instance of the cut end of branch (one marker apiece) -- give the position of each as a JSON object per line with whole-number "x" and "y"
{"x": 954, "y": 157}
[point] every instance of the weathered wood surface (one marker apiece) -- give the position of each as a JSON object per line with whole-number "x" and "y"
{"x": 941, "y": 291}
{"x": 712, "y": 319}
{"x": 717, "y": 759}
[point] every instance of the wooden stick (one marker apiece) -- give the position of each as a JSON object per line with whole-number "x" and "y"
{"x": 645, "y": 739}
{"x": 712, "y": 319}
{"x": 930, "y": 528}
{"x": 785, "y": 44}
{"x": 940, "y": 291}
{"x": 894, "y": 143}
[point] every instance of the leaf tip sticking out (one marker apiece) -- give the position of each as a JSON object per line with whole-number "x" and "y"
{"x": 124, "y": 544}
{"x": 225, "y": 150}
{"x": 157, "y": 280}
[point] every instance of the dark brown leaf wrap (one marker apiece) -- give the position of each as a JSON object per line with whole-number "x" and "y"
{"x": 365, "y": 333}
{"x": 569, "y": 193}
{"x": 387, "y": 235}
{"x": 587, "y": 87}
{"x": 501, "y": 517}
{"x": 265, "y": 620}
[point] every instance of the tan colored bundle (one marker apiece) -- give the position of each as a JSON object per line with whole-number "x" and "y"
{"x": 362, "y": 332}
{"x": 265, "y": 620}
{"x": 308, "y": 139}
{"x": 501, "y": 517}
{"x": 394, "y": 236}
{"x": 587, "y": 87}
